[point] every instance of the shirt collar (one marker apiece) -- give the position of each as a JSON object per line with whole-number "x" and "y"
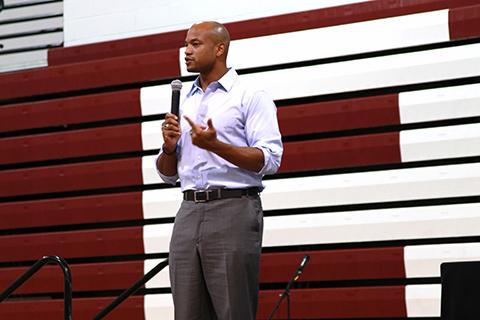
{"x": 226, "y": 82}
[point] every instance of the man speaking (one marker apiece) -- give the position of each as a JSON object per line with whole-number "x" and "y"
{"x": 222, "y": 144}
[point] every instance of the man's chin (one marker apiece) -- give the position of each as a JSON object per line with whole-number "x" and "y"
{"x": 192, "y": 69}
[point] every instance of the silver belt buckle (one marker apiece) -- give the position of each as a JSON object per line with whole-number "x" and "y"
{"x": 196, "y": 194}
{"x": 207, "y": 194}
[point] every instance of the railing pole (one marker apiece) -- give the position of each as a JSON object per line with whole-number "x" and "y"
{"x": 137, "y": 285}
{"x": 67, "y": 288}
{"x": 24, "y": 277}
{"x": 67, "y": 278}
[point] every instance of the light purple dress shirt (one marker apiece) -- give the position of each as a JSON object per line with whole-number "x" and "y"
{"x": 243, "y": 117}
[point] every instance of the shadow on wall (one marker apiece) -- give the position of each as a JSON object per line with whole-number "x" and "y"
{"x": 1, "y": 8}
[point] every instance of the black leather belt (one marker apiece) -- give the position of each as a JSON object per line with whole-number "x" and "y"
{"x": 215, "y": 194}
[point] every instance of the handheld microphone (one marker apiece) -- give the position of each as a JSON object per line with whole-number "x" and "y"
{"x": 176, "y": 87}
{"x": 304, "y": 262}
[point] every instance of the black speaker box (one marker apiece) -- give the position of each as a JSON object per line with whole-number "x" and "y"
{"x": 460, "y": 290}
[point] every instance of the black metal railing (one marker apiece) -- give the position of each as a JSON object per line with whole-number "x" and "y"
{"x": 128, "y": 292}
{"x": 67, "y": 279}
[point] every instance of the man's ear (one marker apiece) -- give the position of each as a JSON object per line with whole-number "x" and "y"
{"x": 220, "y": 49}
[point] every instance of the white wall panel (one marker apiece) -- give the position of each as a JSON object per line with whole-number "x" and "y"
{"x": 157, "y": 99}
{"x": 152, "y": 137}
{"x": 31, "y": 26}
{"x": 347, "y": 76}
{"x": 163, "y": 203}
{"x": 372, "y": 225}
{"x": 370, "y": 187}
{"x": 39, "y": 40}
{"x": 149, "y": 170}
{"x": 440, "y": 143}
{"x": 425, "y": 261}
{"x": 89, "y": 21}
{"x": 374, "y": 35}
{"x": 415, "y": 106}
{"x": 156, "y": 238}
{"x": 346, "y": 189}
{"x": 161, "y": 280}
{"x": 440, "y": 103}
{"x": 158, "y": 306}
{"x": 423, "y": 300}
{"x": 350, "y": 227}
{"x": 23, "y": 60}
{"x": 370, "y": 73}
{"x": 40, "y": 10}
{"x": 20, "y": 2}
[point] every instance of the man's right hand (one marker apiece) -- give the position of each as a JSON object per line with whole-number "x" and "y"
{"x": 171, "y": 132}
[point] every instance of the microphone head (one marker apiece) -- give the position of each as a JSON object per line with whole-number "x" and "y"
{"x": 306, "y": 258}
{"x": 176, "y": 85}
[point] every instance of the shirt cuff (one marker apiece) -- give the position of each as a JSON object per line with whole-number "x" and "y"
{"x": 270, "y": 166}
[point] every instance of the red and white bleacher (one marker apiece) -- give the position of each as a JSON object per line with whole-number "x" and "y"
{"x": 379, "y": 184}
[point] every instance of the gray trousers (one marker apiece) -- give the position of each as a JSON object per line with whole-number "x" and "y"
{"x": 214, "y": 259}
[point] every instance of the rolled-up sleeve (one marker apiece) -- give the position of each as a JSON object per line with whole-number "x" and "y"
{"x": 168, "y": 179}
{"x": 262, "y": 131}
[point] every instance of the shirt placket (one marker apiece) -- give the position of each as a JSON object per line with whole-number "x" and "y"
{"x": 196, "y": 153}
{"x": 202, "y": 119}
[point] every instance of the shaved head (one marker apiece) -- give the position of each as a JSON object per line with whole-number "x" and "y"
{"x": 216, "y": 32}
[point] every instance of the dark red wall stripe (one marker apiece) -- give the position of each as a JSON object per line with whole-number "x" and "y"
{"x": 464, "y": 22}
{"x": 298, "y": 156}
{"x": 83, "y": 309}
{"x": 339, "y": 115}
{"x": 332, "y": 303}
{"x": 71, "y": 144}
{"x": 314, "y": 118}
{"x": 81, "y": 176}
{"x": 319, "y": 18}
{"x": 341, "y": 152}
{"x": 329, "y": 265}
{"x": 73, "y": 210}
{"x": 345, "y": 14}
{"x": 116, "y": 48}
{"x": 85, "y": 243}
{"x": 85, "y": 277}
{"x": 60, "y": 112}
{"x": 88, "y": 75}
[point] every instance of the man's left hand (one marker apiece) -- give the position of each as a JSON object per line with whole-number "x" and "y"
{"x": 203, "y": 137}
